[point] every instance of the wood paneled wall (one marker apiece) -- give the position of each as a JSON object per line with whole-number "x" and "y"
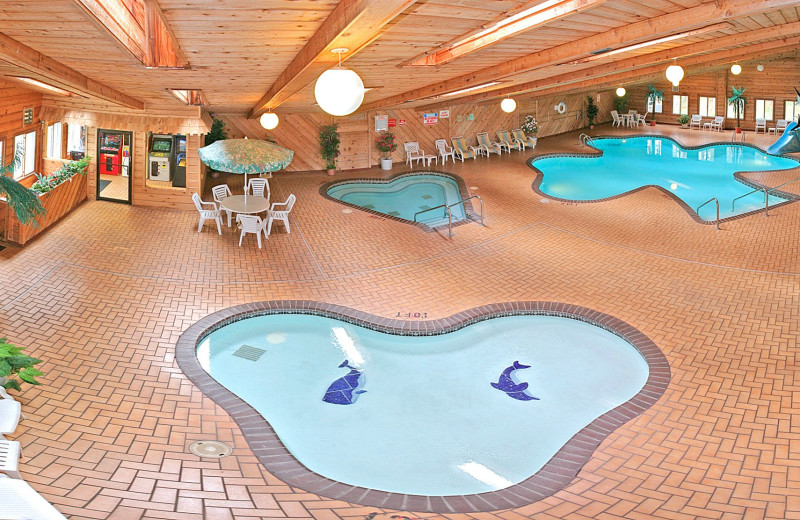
{"x": 13, "y": 101}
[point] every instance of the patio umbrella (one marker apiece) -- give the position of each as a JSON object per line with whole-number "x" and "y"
{"x": 245, "y": 156}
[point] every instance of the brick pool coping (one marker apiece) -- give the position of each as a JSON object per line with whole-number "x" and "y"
{"x": 738, "y": 176}
{"x": 555, "y": 475}
{"x": 469, "y": 211}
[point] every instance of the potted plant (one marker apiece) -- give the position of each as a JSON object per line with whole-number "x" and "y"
{"x": 386, "y": 145}
{"x": 653, "y": 95}
{"x": 591, "y": 111}
{"x": 621, "y": 104}
{"x": 530, "y": 127}
{"x": 13, "y": 363}
{"x": 329, "y": 146}
{"x": 217, "y": 133}
{"x": 683, "y": 119}
{"x": 738, "y": 101}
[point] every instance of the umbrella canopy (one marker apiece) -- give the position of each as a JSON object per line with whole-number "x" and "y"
{"x": 245, "y": 156}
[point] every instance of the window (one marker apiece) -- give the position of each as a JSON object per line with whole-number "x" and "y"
{"x": 54, "y": 141}
{"x": 791, "y": 110}
{"x": 732, "y": 110}
{"x": 76, "y": 138}
{"x": 764, "y": 109}
{"x": 655, "y": 108}
{"x": 25, "y": 148}
{"x": 680, "y": 105}
{"x": 708, "y": 106}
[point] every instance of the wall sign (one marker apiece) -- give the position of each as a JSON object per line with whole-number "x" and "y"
{"x": 27, "y": 116}
{"x": 381, "y": 123}
{"x": 392, "y": 122}
{"x": 430, "y": 118}
{"x": 444, "y": 114}
{"x": 401, "y": 122}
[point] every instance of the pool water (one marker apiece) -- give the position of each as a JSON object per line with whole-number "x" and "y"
{"x": 428, "y": 415}
{"x": 692, "y": 175}
{"x": 404, "y": 196}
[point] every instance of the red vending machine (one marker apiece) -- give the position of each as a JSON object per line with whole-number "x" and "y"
{"x": 110, "y": 153}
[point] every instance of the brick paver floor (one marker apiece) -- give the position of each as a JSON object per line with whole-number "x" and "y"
{"x": 103, "y": 296}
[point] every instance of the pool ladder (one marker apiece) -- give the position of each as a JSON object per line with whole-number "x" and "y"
{"x": 766, "y": 191}
{"x": 712, "y": 199}
{"x": 449, "y": 212}
{"x": 585, "y": 139}
{"x": 733, "y": 136}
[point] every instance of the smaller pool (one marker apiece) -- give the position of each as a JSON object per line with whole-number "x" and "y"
{"x": 404, "y": 196}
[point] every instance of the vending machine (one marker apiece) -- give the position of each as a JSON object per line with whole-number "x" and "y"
{"x": 160, "y": 157}
{"x": 110, "y": 153}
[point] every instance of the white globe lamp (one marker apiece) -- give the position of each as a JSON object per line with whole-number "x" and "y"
{"x": 620, "y": 91}
{"x": 736, "y": 69}
{"x": 269, "y": 120}
{"x": 339, "y": 91}
{"x": 508, "y": 105}
{"x": 675, "y": 74}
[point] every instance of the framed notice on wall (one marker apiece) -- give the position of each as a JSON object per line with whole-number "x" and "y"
{"x": 381, "y": 123}
{"x": 444, "y": 114}
{"x": 430, "y": 118}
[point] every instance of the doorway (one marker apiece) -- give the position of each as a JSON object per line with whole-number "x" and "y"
{"x": 114, "y": 172}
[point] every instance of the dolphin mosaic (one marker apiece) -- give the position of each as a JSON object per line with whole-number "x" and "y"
{"x": 345, "y": 389}
{"x": 513, "y": 389}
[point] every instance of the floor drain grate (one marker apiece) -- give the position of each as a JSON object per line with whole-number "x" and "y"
{"x": 249, "y": 353}
{"x": 213, "y": 449}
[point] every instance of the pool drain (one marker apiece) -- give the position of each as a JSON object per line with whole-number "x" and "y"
{"x": 213, "y": 449}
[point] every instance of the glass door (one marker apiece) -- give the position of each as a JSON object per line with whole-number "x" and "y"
{"x": 114, "y": 165}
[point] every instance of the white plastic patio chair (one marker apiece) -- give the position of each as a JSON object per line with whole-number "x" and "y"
{"x": 413, "y": 153}
{"x": 616, "y": 120}
{"x": 780, "y": 126}
{"x": 222, "y": 191}
{"x": 250, "y": 224}
{"x": 10, "y": 414}
{"x": 207, "y": 214}
{"x": 283, "y": 215}
{"x": 762, "y": 124}
{"x": 9, "y": 458}
{"x": 641, "y": 119}
{"x": 716, "y": 124}
{"x": 258, "y": 186}
{"x": 697, "y": 120}
{"x": 444, "y": 150}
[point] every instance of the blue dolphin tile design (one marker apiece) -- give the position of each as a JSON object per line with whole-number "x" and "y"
{"x": 507, "y": 384}
{"x": 345, "y": 389}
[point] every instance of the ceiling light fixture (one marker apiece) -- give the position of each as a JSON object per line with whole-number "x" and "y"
{"x": 675, "y": 74}
{"x": 41, "y": 84}
{"x": 269, "y": 120}
{"x": 339, "y": 91}
{"x": 470, "y": 89}
{"x": 620, "y": 91}
{"x": 736, "y": 69}
{"x": 508, "y": 105}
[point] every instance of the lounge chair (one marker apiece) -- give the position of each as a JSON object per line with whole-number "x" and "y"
{"x": 462, "y": 150}
{"x": 716, "y": 124}
{"x": 413, "y": 153}
{"x": 780, "y": 126}
{"x": 523, "y": 139}
{"x": 487, "y": 144}
{"x": 762, "y": 124}
{"x": 444, "y": 150}
{"x": 509, "y": 142}
{"x": 697, "y": 120}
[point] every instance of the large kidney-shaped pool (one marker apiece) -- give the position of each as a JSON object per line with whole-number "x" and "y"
{"x": 475, "y": 410}
{"x": 694, "y": 175}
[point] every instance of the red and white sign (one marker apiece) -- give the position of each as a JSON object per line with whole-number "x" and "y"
{"x": 401, "y": 122}
{"x": 392, "y": 122}
{"x": 430, "y": 118}
{"x": 444, "y": 114}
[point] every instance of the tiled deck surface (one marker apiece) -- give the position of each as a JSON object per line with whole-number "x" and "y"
{"x": 103, "y": 296}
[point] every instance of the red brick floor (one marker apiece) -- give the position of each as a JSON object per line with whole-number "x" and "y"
{"x": 102, "y": 297}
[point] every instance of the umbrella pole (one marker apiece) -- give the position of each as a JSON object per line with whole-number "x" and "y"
{"x": 245, "y": 188}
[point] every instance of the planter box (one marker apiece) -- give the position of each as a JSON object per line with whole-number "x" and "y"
{"x": 57, "y": 202}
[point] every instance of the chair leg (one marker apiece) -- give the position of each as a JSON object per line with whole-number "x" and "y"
{"x": 200, "y": 225}
{"x": 269, "y": 226}
{"x": 240, "y": 238}
{"x": 258, "y": 238}
{"x": 229, "y": 219}
{"x": 219, "y": 224}
{"x": 286, "y": 223}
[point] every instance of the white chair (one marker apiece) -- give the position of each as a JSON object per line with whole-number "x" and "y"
{"x": 282, "y": 215}
{"x": 716, "y": 124}
{"x": 220, "y": 192}
{"x": 779, "y": 127}
{"x": 631, "y": 118}
{"x": 641, "y": 119}
{"x": 413, "y": 153}
{"x": 9, "y": 458}
{"x": 207, "y": 214}
{"x": 762, "y": 124}
{"x": 10, "y": 414}
{"x": 444, "y": 150}
{"x": 697, "y": 120}
{"x": 250, "y": 224}
{"x": 616, "y": 119}
{"x": 258, "y": 186}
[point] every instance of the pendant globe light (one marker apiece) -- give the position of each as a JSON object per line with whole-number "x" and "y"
{"x": 675, "y": 74}
{"x": 269, "y": 120}
{"x": 736, "y": 69}
{"x": 339, "y": 91}
{"x": 620, "y": 91}
{"x": 508, "y": 105}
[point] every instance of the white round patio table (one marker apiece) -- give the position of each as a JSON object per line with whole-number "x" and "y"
{"x": 249, "y": 205}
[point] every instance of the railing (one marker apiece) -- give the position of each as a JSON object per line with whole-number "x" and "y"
{"x": 733, "y": 136}
{"x": 766, "y": 191}
{"x": 712, "y": 199}
{"x": 585, "y": 139}
{"x": 449, "y": 212}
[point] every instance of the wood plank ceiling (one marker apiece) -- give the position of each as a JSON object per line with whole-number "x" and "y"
{"x": 238, "y": 49}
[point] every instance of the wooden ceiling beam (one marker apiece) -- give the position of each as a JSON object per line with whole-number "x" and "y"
{"x": 352, "y": 24}
{"x": 49, "y": 70}
{"x": 718, "y": 44}
{"x": 683, "y": 20}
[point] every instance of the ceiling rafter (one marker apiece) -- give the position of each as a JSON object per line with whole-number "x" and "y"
{"x": 353, "y": 24}
{"x": 683, "y": 20}
{"x": 52, "y": 71}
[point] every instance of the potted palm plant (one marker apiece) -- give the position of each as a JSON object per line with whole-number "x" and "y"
{"x": 13, "y": 363}
{"x": 591, "y": 111}
{"x": 738, "y": 101}
{"x": 653, "y": 95}
{"x": 329, "y": 146}
{"x": 386, "y": 145}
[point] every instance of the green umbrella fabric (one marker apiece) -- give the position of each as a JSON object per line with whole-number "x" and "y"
{"x": 245, "y": 156}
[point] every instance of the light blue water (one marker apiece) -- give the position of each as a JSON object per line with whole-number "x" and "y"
{"x": 693, "y": 175}
{"x": 430, "y": 422}
{"x": 404, "y": 196}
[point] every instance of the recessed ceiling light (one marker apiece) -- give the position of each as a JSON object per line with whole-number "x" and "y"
{"x": 41, "y": 84}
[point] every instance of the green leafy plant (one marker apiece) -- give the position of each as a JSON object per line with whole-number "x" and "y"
{"x": 653, "y": 95}
{"x": 738, "y": 101}
{"x": 621, "y": 104}
{"x": 217, "y": 132}
{"x": 385, "y": 144}
{"x": 329, "y": 145}
{"x": 530, "y": 126}
{"x": 22, "y": 201}
{"x": 46, "y": 183}
{"x": 591, "y": 110}
{"x": 14, "y": 363}
{"x": 683, "y": 119}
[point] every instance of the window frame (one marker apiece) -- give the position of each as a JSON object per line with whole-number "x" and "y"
{"x": 81, "y": 138}
{"x": 25, "y": 156}
{"x": 702, "y": 108}
{"x": 680, "y": 98}
{"x": 795, "y": 109}
{"x": 764, "y": 109}
{"x": 54, "y": 142}
{"x": 655, "y": 106}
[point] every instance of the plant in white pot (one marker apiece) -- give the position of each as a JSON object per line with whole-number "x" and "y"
{"x": 386, "y": 145}
{"x": 13, "y": 363}
{"x": 530, "y": 127}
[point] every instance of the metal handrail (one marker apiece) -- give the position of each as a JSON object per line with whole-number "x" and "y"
{"x": 733, "y": 136}
{"x": 712, "y": 199}
{"x": 585, "y": 138}
{"x": 733, "y": 202}
{"x": 450, "y": 212}
{"x": 766, "y": 191}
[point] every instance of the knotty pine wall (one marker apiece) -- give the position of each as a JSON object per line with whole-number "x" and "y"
{"x": 13, "y": 101}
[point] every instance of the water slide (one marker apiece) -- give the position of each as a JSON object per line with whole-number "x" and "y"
{"x": 787, "y": 143}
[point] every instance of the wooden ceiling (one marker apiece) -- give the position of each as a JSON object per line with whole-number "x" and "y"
{"x": 249, "y": 55}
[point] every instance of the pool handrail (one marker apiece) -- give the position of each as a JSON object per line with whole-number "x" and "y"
{"x": 766, "y": 191}
{"x": 585, "y": 138}
{"x": 712, "y": 199}
{"x": 450, "y": 212}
